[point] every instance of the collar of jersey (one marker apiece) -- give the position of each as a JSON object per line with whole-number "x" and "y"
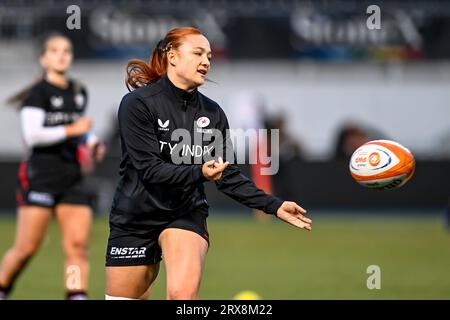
{"x": 69, "y": 85}
{"x": 180, "y": 94}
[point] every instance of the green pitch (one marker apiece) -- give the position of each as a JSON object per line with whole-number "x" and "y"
{"x": 278, "y": 261}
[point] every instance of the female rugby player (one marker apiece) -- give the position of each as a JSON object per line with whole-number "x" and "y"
{"x": 50, "y": 180}
{"x": 160, "y": 208}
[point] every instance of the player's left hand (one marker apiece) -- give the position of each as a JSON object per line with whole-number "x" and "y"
{"x": 292, "y": 213}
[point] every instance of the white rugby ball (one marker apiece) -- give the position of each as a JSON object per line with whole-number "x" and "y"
{"x": 382, "y": 164}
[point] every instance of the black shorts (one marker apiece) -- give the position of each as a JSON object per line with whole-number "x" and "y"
{"x": 141, "y": 247}
{"x": 47, "y": 188}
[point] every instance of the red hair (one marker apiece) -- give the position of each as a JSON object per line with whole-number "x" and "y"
{"x": 140, "y": 73}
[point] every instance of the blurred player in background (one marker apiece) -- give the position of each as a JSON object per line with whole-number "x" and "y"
{"x": 350, "y": 137}
{"x": 61, "y": 149}
{"x": 160, "y": 207}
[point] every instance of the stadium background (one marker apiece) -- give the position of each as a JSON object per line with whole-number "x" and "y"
{"x": 316, "y": 66}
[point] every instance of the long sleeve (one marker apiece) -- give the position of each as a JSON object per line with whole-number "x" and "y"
{"x": 139, "y": 140}
{"x": 237, "y": 186}
{"x": 33, "y": 131}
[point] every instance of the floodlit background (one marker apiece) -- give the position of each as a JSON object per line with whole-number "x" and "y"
{"x": 315, "y": 71}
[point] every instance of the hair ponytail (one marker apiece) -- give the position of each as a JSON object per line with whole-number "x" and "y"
{"x": 140, "y": 73}
{"x": 19, "y": 98}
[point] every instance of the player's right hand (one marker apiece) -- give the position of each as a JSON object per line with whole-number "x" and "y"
{"x": 79, "y": 127}
{"x": 212, "y": 170}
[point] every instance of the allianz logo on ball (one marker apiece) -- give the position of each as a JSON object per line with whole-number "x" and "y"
{"x": 382, "y": 164}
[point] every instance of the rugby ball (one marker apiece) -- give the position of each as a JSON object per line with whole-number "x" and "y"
{"x": 382, "y": 164}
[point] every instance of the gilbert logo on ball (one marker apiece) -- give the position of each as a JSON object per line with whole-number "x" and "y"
{"x": 382, "y": 164}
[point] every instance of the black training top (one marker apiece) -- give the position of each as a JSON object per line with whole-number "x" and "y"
{"x": 153, "y": 189}
{"x": 61, "y": 107}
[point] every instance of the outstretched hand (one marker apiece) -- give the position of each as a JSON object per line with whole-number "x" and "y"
{"x": 292, "y": 213}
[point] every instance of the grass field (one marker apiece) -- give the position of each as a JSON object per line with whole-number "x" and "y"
{"x": 280, "y": 262}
